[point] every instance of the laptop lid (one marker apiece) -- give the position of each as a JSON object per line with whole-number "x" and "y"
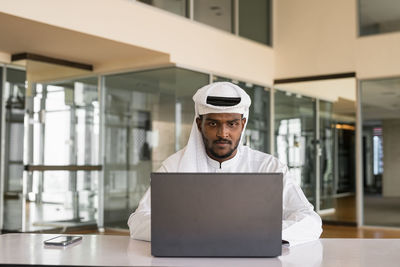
{"x": 216, "y": 214}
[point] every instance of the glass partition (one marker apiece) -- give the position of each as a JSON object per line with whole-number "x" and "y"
{"x": 327, "y": 150}
{"x": 14, "y": 101}
{"x": 62, "y": 154}
{"x": 295, "y": 137}
{"x": 255, "y": 20}
{"x": 252, "y": 19}
{"x": 216, "y": 13}
{"x": 326, "y": 135}
{"x": 179, "y": 7}
{"x": 148, "y": 117}
{"x": 257, "y": 131}
{"x": 380, "y": 107}
{"x": 378, "y": 16}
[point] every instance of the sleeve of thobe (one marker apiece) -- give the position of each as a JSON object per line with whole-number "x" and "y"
{"x": 140, "y": 221}
{"x": 300, "y": 222}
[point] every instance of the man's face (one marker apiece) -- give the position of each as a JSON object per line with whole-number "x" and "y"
{"x": 221, "y": 134}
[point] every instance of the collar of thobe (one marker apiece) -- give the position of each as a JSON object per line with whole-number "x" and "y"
{"x": 225, "y": 164}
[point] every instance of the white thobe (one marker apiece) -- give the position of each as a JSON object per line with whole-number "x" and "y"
{"x": 300, "y": 223}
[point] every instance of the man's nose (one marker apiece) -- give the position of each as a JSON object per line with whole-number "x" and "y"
{"x": 223, "y": 131}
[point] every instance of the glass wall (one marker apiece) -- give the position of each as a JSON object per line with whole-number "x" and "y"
{"x": 326, "y": 148}
{"x": 337, "y": 160}
{"x": 179, "y": 7}
{"x": 62, "y": 130}
{"x": 377, "y": 17}
{"x": 319, "y": 146}
{"x": 257, "y": 131}
{"x": 14, "y": 101}
{"x": 295, "y": 137}
{"x": 255, "y": 20}
{"x": 380, "y": 107}
{"x": 249, "y": 19}
{"x": 216, "y": 13}
{"x": 148, "y": 117}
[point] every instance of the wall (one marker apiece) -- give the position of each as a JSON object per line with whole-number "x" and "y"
{"x": 314, "y": 37}
{"x": 4, "y": 57}
{"x": 188, "y": 43}
{"x": 378, "y": 56}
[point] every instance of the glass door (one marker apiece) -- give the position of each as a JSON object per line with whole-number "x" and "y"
{"x": 316, "y": 138}
{"x": 257, "y": 134}
{"x": 295, "y": 138}
{"x": 148, "y": 117}
{"x": 380, "y": 109}
{"x": 61, "y": 155}
{"x": 12, "y": 154}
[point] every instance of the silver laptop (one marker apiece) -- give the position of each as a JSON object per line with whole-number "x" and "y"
{"x": 216, "y": 214}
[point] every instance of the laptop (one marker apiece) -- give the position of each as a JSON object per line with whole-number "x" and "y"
{"x": 216, "y": 214}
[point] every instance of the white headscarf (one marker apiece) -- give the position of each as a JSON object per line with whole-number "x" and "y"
{"x": 194, "y": 157}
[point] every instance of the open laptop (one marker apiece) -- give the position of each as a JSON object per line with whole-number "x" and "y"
{"x": 216, "y": 214}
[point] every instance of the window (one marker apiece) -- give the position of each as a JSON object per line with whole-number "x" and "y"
{"x": 378, "y": 16}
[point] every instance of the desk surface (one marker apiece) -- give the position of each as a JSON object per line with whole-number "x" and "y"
{"x": 106, "y": 250}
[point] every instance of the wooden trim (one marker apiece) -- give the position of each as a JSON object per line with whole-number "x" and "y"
{"x": 316, "y": 78}
{"x": 57, "y": 61}
{"x": 74, "y": 168}
{"x": 337, "y": 223}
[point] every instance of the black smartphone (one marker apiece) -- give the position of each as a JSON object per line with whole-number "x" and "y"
{"x": 62, "y": 240}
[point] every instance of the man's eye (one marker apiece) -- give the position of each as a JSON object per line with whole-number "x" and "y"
{"x": 212, "y": 124}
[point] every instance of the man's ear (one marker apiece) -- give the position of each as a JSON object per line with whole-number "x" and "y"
{"x": 243, "y": 122}
{"x": 198, "y": 122}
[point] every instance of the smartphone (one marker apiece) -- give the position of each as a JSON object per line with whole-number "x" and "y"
{"x": 62, "y": 240}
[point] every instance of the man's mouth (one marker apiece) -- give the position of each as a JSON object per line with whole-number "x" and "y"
{"x": 222, "y": 142}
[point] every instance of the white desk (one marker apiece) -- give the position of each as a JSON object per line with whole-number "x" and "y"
{"x": 106, "y": 250}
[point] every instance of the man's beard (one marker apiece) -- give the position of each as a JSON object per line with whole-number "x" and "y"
{"x": 214, "y": 154}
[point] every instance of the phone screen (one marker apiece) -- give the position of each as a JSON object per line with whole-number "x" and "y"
{"x": 62, "y": 240}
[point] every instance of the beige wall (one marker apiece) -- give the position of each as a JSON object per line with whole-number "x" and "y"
{"x": 5, "y": 57}
{"x": 313, "y": 37}
{"x": 378, "y": 56}
{"x": 189, "y": 43}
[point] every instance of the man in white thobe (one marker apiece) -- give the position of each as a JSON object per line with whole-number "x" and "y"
{"x": 221, "y": 113}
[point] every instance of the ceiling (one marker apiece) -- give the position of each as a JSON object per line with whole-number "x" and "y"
{"x": 20, "y": 35}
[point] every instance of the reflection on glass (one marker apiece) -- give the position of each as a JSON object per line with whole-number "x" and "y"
{"x": 14, "y": 97}
{"x": 257, "y": 130}
{"x": 178, "y": 7}
{"x": 326, "y": 135}
{"x": 63, "y": 130}
{"x": 216, "y": 13}
{"x": 57, "y": 207}
{"x": 148, "y": 117}
{"x": 255, "y": 20}
{"x": 294, "y": 138}
{"x": 381, "y": 147}
{"x": 333, "y": 154}
{"x": 378, "y": 16}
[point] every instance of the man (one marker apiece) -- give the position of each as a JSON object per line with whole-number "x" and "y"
{"x": 221, "y": 113}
